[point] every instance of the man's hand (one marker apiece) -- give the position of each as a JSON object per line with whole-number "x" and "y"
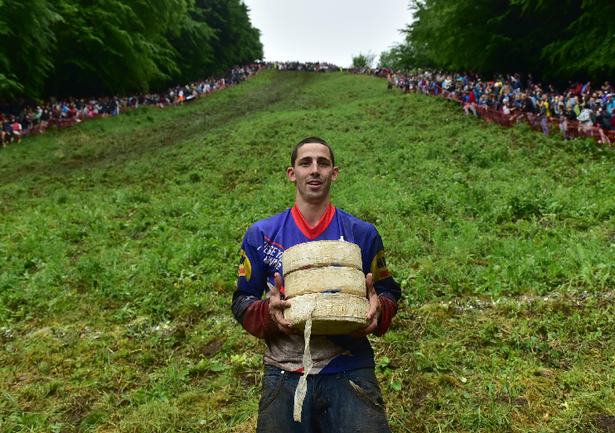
{"x": 277, "y": 307}
{"x": 375, "y": 310}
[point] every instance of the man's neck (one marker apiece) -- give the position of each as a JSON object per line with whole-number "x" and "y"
{"x": 312, "y": 212}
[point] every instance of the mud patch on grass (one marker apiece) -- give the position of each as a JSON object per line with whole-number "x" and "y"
{"x": 604, "y": 423}
{"x": 80, "y": 409}
{"x": 210, "y": 350}
{"x": 250, "y": 379}
{"x": 419, "y": 398}
{"x": 514, "y": 401}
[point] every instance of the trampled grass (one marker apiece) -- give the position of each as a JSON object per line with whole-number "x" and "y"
{"x": 118, "y": 258}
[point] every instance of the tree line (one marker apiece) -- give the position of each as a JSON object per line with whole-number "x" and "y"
{"x": 95, "y": 47}
{"x": 557, "y": 40}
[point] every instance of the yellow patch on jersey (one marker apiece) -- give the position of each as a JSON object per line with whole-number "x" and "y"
{"x": 245, "y": 269}
{"x": 380, "y": 271}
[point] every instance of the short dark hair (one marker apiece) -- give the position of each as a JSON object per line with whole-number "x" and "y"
{"x": 293, "y": 155}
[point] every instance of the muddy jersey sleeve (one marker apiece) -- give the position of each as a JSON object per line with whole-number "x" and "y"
{"x": 248, "y": 306}
{"x": 388, "y": 290}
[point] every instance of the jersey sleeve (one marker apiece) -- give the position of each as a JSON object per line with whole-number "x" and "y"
{"x": 388, "y": 290}
{"x": 248, "y": 307}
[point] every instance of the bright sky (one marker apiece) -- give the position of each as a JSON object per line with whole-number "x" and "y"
{"x": 327, "y": 30}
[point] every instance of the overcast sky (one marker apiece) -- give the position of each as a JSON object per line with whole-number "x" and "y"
{"x": 327, "y": 30}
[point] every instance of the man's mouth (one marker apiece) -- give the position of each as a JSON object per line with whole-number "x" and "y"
{"x": 314, "y": 183}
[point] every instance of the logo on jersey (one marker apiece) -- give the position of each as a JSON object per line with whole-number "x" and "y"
{"x": 245, "y": 269}
{"x": 273, "y": 253}
{"x": 380, "y": 271}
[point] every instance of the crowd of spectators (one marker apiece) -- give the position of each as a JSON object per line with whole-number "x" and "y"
{"x": 298, "y": 66}
{"x": 516, "y": 97}
{"x": 24, "y": 118}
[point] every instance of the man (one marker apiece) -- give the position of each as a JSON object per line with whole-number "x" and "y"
{"x": 603, "y": 120}
{"x": 577, "y": 105}
{"x": 343, "y": 394}
{"x": 16, "y": 129}
{"x": 610, "y": 102}
{"x": 570, "y": 113}
{"x": 526, "y": 104}
{"x": 7, "y": 132}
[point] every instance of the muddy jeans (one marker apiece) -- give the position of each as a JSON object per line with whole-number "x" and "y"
{"x": 334, "y": 403}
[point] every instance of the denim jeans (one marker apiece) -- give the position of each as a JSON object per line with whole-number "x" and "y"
{"x": 337, "y": 403}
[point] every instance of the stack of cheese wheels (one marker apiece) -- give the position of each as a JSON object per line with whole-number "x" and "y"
{"x": 324, "y": 279}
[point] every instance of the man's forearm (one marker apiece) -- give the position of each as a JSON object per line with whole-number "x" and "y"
{"x": 389, "y": 308}
{"x": 255, "y": 318}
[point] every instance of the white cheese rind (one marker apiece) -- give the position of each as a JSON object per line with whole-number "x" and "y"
{"x": 333, "y": 314}
{"x": 326, "y": 279}
{"x": 321, "y": 253}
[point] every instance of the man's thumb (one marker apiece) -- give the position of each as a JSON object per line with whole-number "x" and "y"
{"x": 369, "y": 282}
{"x": 278, "y": 282}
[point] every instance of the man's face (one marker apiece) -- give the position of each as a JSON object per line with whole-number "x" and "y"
{"x": 313, "y": 173}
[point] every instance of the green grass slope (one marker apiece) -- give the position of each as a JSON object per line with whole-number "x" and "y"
{"x": 119, "y": 252}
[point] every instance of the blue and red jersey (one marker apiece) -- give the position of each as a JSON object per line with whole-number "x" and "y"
{"x": 261, "y": 257}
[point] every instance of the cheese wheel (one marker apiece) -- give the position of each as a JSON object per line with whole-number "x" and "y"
{"x": 325, "y": 279}
{"x": 332, "y": 313}
{"x": 321, "y": 253}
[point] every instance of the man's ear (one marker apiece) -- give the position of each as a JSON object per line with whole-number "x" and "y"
{"x": 290, "y": 173}
{"x": 336, "y": 173}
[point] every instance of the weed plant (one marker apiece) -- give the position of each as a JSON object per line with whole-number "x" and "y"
{"x": 119, "y": 252}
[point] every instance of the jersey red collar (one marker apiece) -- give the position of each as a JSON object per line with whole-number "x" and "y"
{"x": 313, "y": 232}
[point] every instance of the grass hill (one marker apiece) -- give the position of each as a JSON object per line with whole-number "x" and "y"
{"x": 119, "y": 251}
